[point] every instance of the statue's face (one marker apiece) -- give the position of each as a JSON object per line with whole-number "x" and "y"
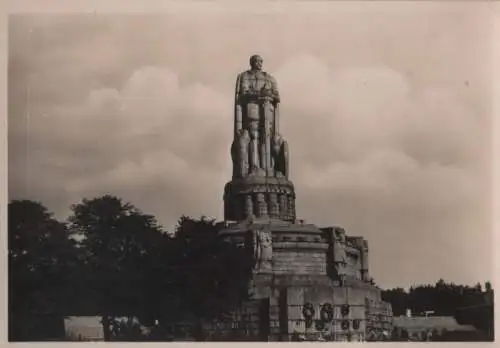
{"x": 341, "y": 236}
{"x": 256, "y": 62}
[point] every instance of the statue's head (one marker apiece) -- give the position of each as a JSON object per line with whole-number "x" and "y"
{"x": 276, "y": 144}
{"x": 358, "y": 242}
{"x": 256, "y": 62}
{"x": 278, "y": 139}
{"x": 340, "y": 233}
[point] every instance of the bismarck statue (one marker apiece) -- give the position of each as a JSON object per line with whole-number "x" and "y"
{"x": 260, "y": 184}
{"x": 301, "y": 273}
{"x": 258, "y": 148}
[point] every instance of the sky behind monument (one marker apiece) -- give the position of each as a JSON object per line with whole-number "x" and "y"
{"x": 386, "y": 111}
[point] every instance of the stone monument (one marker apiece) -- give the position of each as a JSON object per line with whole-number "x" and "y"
{"x": 309, "y": 283}
{"x": 260, "y": 185}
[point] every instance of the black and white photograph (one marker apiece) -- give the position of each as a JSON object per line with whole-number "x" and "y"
{"x": 261, "y": 171}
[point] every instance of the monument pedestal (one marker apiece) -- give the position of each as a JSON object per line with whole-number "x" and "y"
{"x": 301, "y": 292}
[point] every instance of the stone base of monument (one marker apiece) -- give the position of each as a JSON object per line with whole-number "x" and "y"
{"x": 297, "y": 292}
{"x": 259, "y": 196}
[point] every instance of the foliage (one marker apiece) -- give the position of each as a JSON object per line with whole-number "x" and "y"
{"x": 40, "y": 257}
{"x": 127, "y": 330}
{"x": 131, "y": 268}
{"x": 212, "y": 275}
{"x": 119, "y": 245}
{"x": 442, "y": 298}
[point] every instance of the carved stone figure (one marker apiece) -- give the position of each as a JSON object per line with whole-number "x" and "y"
{"x": 258, "y": 151}
{"x": 256, "y": 111}
{"x": 248, "y": 206}
{"x": 339, "y": 252}
{"x": 364, "y": 261}
{"x": 262, "y": 247}
{"x": 361, "y": 245}
{"x": 280, "y": 156}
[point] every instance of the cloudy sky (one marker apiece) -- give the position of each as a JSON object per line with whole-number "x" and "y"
{"x": 386, "y": 111}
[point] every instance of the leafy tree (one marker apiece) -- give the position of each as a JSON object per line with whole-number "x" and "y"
{"x": 194, "y": 276}
{"x": 212, "y": 275}
{"x": 119, "y": 245}
{"x": 398, "y": 299}
{"x": 127, "y": 330}
{"x": 130, "y": 268}
{"x": 40, "y": 256}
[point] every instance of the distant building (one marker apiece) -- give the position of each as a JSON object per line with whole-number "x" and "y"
{"x": 84, "y": 329}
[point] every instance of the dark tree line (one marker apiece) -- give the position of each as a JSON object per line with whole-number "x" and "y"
{"x": 442, "y": 298}
{"x": 469, "y": 305}
{"x": 112, "y": 260}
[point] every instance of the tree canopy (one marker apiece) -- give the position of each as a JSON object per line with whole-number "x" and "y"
{"x": 118, "y": 262}
{"x": 40, "y": 257}
{"x": 442, "y": 298}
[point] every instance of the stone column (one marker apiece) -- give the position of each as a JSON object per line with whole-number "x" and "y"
{"x": 283, "y": 202}
{"x": 291, "y": 206}
{"x": 261, "y": 205}
{"x": 273, "y": 205}
{"x": 248, "y": 205}
{"x": 364, "y": 261}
